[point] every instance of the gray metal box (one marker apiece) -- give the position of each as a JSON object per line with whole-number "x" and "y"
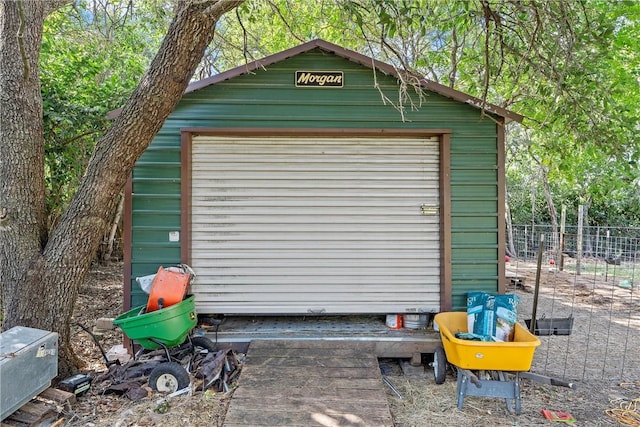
{"x": 28, "y": 363}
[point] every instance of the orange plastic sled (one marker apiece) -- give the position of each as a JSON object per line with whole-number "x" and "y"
{"x": 168, "y": 288}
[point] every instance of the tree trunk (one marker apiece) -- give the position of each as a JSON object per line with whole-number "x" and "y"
{"x": 22, "y": 195}
{"x": 579, "y": 243}
{"x": 511, "y": 251}
{"x": 107, "y": 252}
{"x": 553, "y": 213}
{"x": 48, "y": 286}
{"x": 588, "y": 243}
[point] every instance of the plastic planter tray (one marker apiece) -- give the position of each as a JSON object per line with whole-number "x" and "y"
{"x": 169, "y": 326}
{"x": 552, "y": 326}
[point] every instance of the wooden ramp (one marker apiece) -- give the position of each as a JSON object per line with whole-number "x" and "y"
{"x": 309, "y": 383}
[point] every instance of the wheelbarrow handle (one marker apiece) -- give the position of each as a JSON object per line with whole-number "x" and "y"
{"x": 547, "y": 380}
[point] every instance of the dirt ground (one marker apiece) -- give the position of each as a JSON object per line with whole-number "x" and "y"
{"x": 600, "y": 356}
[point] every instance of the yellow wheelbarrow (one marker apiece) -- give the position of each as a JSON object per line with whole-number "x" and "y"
{"x": 497, "y": 357}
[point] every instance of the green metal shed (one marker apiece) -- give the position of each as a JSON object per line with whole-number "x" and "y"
{"x": 297, "y": 185}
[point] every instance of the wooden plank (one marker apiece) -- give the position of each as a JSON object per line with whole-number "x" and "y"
{"x": 313, "y": 344}
{"x": 34, "y": 413}
{"x": 298, "y": 398}
{"x": 59, "y": 396}
{"x": 311, "y": 361}
{"x": 307, "y": 352}
{"x": 327, "y": 418}
{"x": 406, "y": 349}
{"x": 314, "y": 408}
{"x": 41, "y": 410}
{"x": 267, "y": 372}
{"x": 281, "y": 388}
{"x": 318, "y": 382}
{"x": 339, "y": 394}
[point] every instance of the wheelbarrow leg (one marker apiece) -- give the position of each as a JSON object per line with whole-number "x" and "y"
{"x": 470, "y": 385}
{"x": 461, "y": 387}
{"x": 516, "y": 392}
{"x": 464, "y": 378}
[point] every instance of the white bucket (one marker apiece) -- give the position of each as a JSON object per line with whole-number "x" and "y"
{"x": 415, "y": 321}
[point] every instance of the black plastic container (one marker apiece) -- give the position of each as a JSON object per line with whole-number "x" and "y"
{"x": 552, "y": 326}
{"x": 77, "y": 384}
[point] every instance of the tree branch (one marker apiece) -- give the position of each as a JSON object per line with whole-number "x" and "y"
{"x": 244, "y": 36}
{"x": 276, "y": 9}
{"x": 51, "y": 6}
{"x": 82, "y": 135}
{"x": 487, "y": 64}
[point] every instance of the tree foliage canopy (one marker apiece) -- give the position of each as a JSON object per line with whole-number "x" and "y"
{"x": 572, "y": 68}
{"x": 92, "y": 57}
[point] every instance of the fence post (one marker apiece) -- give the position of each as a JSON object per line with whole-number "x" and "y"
{"x": 579, "y": 239}
{"x": 536, "y": 292}
{"x": 607, "y": 255}
{"x": 563, "y": 219}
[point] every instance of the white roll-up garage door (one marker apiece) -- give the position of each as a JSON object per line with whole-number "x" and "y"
{"x": 313, "y": 225}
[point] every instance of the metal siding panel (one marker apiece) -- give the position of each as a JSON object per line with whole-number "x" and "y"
{"x": 156, "y": 253}
{"x": 478, "y": 160}
{"x": 285, "y": 225}
{"x": 155, "y": 211}
{"x": 475, "y": 192}
{"x": 476, "y": 222}
{"x": 149, "y": 202}
{"x": 158, "y": 219}
{"x": 467, "y": 284}
{"x": 478, "y": 206}
{"x": 475, "y": 255}
{"x": 474, "y": 199}
{"x": 472, "y": 177}
{"x": 158, "y": 186}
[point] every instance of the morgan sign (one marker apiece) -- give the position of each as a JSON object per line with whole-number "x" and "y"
{"x": 319, "y": 79}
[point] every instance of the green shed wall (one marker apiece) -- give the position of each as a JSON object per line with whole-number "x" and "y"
{"x": 269, "y": 99}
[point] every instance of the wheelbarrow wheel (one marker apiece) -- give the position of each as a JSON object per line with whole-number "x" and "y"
{"x": 169, "y": 377}
{"x": 203, "y": 343}
{"x": 439, "y": 365}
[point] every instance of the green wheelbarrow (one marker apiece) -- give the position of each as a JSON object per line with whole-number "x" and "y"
{"x": 164, "y": 329}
